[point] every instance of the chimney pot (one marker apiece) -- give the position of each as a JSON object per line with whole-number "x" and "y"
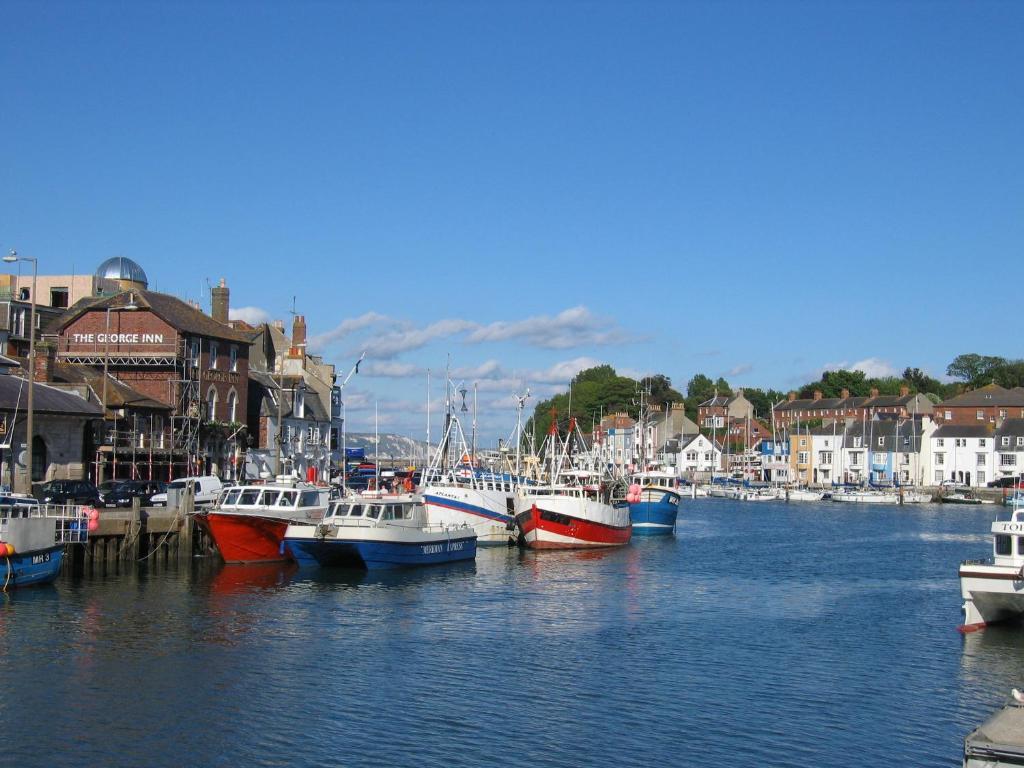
{"x": 220, "y": 300}
{"x": 792, "y": 396}
{"x": 299, "y": 332}
{"x": 904, "y": 390}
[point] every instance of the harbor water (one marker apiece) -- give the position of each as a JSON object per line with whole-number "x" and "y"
{"x": 760, "y": 634}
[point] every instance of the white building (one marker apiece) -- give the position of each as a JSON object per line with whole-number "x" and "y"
{"x": 962, "y": 453}
{"x": 1009, "y": 449}
{"x": 698, "y": 457}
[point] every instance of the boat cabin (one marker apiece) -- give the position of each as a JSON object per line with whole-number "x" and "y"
{"x": 406, "y": 511}
{"x": 1008, "y": 540}
{"x": 270, "y": 497}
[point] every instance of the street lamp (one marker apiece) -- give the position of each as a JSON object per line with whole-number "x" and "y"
{"x": 10, "y": 259}
{"x": 106, "y": 358}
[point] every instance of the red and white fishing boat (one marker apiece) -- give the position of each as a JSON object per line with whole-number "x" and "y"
{"x": 248, "y": 522}
{"x": 576, "y": 509}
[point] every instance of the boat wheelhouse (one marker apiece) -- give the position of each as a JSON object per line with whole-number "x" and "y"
{"x": 34, "y": 536}
{"x": 376, "y": 532}
{"x": 993, "y": 589}
{"x": 248, "y": 522}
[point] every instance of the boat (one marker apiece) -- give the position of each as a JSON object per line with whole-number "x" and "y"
{"x": 999, "y": 741}
{"x": 574, "y": 507}
{"x": 33, "y": 537}
{"x": 802, "y": 494}
{"x": 866, "y": 496}
{"x": 915, "y": 497}
{"x": 248, "y": 522}
{"x": 993, "y": 589}
{"x": 959, "y": 497}
{"x": 657, "y": 502}
{"x": 376, "y": 532}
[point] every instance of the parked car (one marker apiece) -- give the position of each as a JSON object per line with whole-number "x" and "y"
{"x": 207, "y": 488}
{"x": 106, "y": 487}
{"x": 127, "y": 490}
{"x": 68, "y": 492}
{"x": 1005, "y": 482}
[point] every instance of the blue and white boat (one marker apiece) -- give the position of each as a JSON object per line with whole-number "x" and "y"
{"x": 33, "y": 538}
{"x": 658, "y": 506}
{"x": 377, "y": 530}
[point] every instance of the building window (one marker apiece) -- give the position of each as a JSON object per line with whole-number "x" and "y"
{"x": 981, "y": 442}
{"x": 981, "y": 460}
{"x": 981, "y": 477}
{"x": 213, "y": 355}
{"x": 940, "y": 459}
{"x": 980, "y": 415}
{"x": 938, "y": 475}
{"x": 1020, "y": 441}
{"x": 234, "y": 357}
{"x": 801, "y": 458}
{"x": 960, "y": 442}
{"x": 1002, "y": 414}
{"x": 211, "y": 404}
{"x": 881, "y": 442}
{"x": 824, "y": 457}
{"x": 232, "y": 405}
{"x": 939, "y": 442}
{"x": 59, "y": 298}
{"x": 193, "y": 354}
{"x": 1006, "y": 441}
{"x": 1007, "y": 459}
{"x": 158, "y": 431}
{"x": 949, "y": 415}
{"x": 857, "y": 442}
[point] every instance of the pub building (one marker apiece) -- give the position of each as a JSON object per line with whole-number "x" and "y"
{"x": 174, "y": 379}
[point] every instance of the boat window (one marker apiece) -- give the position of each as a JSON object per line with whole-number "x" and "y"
{"x": 248, "y": 497}
{"x": 269, "y": 498}
{"x": 389, "y": 513}
{"x": 357, "y": 510}
{"x": 287, "y": 499}
{"x": 373, "y": 511}
{"x": 336, "y": 510}
{"x": 1004, "y": 546}
{"x": 309, "y": 499}
{"x": 232, "y": 496}
{"x": 1020, "y": 545}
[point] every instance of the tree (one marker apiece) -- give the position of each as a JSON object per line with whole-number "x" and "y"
{"x": 919, "y": 381}
{"x": 1010, "y": 374}
{"x": 833, "y": 383}
{"x": 974, "y": 370}
{"x": 700, "y": 388}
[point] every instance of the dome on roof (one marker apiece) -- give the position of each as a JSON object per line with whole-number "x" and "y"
{"x": 124, "y": 270}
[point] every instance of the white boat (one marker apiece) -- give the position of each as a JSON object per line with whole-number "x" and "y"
{"x": 374, "y": 532}
{"x": 916, "y": 497}
{"x": 993, "y": 589}
{"x": 868, "y": 496}
{"x": 802, "y": 494}
{"x": 571, "y": 516}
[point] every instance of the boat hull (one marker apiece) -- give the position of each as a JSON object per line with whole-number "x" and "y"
{"x": 246, "y": 538}
{"x": 489, "y": 513}
{"x": 655, "y": 514}
{"x": 377, "y": 555}
{"x": 991, "y": 593}
{"x": 866, "y": 498}
{"x": 26, "y": 569}
{"x": 563, "y": 523}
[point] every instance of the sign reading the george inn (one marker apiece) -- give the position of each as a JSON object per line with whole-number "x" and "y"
{"x": 117, "y": 338}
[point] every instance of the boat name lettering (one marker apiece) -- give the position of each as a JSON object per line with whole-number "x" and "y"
{"x": 40, "y": 559}
{"x": 455, "y": 546}
{"x": 1014, "y": 527}
{"x": 433, "y": 549}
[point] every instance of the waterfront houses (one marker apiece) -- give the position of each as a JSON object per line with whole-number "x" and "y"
{"x": 793, "y": 411}
{"x": 990, "y": 405}
{"x": 963, "y": 454}
{"x": 1008, "y": 443}
{"x": 698, "y": 458}
{"x": 722, "y": 409}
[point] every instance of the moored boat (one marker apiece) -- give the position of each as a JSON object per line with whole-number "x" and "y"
{"x": 248, "y": 523}
{"x": 657, "y": 502}
{"x": 959, "y": 497}
{"x": 570, "y": 517}
{"x": 993, "y": 589}
{"x": 802, "y": 494}
{"x": 33, "y": 538}
{"x": 866, "y": 496}
{"x": 374, "y": 532}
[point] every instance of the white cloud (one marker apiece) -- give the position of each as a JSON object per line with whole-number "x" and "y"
{"x": 391, "y": 344}
{"x": 250, "y": 315}
{"x": 572, "y": 327}
{"x": 739, "y": 370}
{"x": 390, "y": 369}
{"x": 874, "y": 368}
{"x": 346, "y": 327}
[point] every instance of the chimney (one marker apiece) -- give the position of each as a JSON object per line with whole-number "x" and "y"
{"x": 817, "y": 394}
{"x": 279, "y": 325}
{"x": 792, "y": 396}
{"x": 845, "y": 393}
{"x": 298, "y": 336}
{"x": 219, "y": 302}
{"x": 46, "y": 359}
{"x": 874, "y": 391}
{"x": 904, "y": 390}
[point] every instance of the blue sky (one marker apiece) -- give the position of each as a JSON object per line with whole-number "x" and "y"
{"x": 755, "y": 190}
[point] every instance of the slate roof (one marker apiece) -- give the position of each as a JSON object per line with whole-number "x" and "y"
{"x": 314, "y": 410}
{"x": 46, "y": 399}
{"x": 169, "y": 308}
{"x": 988, "y": 396}
{"x": 119, "y": 394}
{"x": 1011, "y": 428}
{"x": 717, "y": 402}
{"x": 963, "y": 430}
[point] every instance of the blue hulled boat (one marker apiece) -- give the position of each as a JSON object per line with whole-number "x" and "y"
{"x": 33, "y": 538}
{"x": 657, "y": 505}
{"x": 375, "y": 531}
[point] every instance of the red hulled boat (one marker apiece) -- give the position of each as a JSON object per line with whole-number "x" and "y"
{"x": 249, "y": 522}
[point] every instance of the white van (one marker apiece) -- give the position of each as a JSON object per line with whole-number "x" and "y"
{"x": 207, "y": 488}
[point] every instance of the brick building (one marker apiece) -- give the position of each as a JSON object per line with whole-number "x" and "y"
{"x": 163, "y": 352}
{"x": 844, "y": 408}
{"x": 990, "y": 405}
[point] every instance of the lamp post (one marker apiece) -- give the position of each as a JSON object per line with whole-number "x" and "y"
{"x": 10, "y": 259}
{"x": 106, "y": 359}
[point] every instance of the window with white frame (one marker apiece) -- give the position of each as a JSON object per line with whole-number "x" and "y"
{"x": 211, "y": 404}
{"x": 801, "y": 457}
{"x": 1007, "y": 459}
{"x": 855, "y": 458}
{"x": 949, "y": 415}
{"x": 982, "y": 460}
{"x": 981, "y": 442}
{"x": 881, "y": 441}
{"x": 980, "y": 415}
{"x": 940, "y": 459}
{"x": 857, "y": 442}
{"x": 960, "y": 442}
{"x": 232, "y": 405}
{"x": 1020, "y": 441}
{"x": 193, "y": 354}
{"x": 1006, "y": 441}
{"x": 940, "y": 443}
{"x": 938, "y": 475}
{"x": 981, "y": 477}
{"x": 824, "y": 457}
